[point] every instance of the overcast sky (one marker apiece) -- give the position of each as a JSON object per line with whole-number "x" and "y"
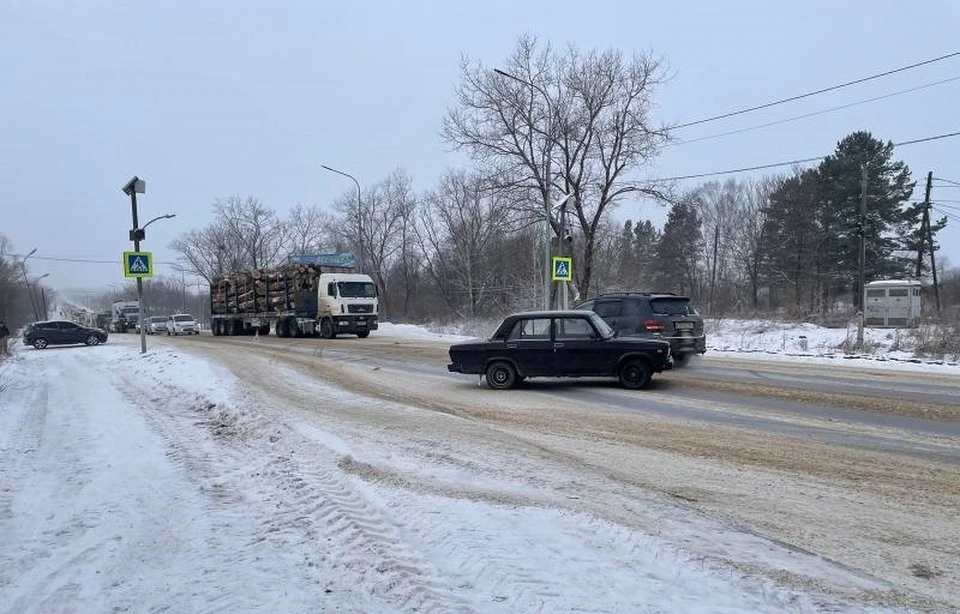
{"x": 212, "y": 99}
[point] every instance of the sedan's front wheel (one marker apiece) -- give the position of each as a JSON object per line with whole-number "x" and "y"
{"x": 92, "y": 340}
{"x": 635, "y": 374}
{"x": 501, "y": 375}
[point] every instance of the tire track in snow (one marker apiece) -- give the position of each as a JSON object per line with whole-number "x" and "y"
{"x": 314, "y": 510}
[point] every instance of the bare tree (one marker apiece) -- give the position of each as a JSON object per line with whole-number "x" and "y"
{"x": 386, "y": 206}
{"x": 461, "y": 223}
{"x": 243, "y": 235}
{"x": 567, "y": 123}
{"x": 307, "y": 230}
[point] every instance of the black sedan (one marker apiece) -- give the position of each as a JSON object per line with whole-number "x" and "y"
{"x": 61, "y": 332}
{"x": 560, "y": 344}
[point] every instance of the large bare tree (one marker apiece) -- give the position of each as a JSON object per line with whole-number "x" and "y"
{"x": 561, "y": 123}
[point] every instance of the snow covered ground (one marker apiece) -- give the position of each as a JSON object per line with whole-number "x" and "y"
{"x": 148, "y": 483}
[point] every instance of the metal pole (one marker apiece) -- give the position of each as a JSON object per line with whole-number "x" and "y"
{"x": 359, "y": 213}
{"x": 863, "y": 255}
{"x": 136, "y": 248}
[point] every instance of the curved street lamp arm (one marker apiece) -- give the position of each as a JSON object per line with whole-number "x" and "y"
{"x": 159, "y": 217}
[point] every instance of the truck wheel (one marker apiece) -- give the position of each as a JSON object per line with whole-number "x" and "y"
{"x": 281, "y": 328}
{"x": 363, "y": 334}
{"x": 326, "y": 329}
{"x": 635, "y": 374}
{"x": 501, "y": 375}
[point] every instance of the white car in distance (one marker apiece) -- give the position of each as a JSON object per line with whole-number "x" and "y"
{"x": 182, "y": 324}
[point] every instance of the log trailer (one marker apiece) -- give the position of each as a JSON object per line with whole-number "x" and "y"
{"x": 297, "y": 300}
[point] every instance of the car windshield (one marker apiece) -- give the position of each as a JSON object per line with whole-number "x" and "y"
{"x": 672, "y": 307}
{"x": 158, "y": 319}
{"x": 183, "y": 318}
{"x": 604, "y": 329}
{"x": 356, "y": 289}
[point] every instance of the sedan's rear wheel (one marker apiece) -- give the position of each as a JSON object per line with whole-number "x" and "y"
{"x": 635, "y": 374}
{"x": 501, "y": 375}
{"x": 40, "y": 343}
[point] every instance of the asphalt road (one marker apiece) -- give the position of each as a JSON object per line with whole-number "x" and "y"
{"x": 881, "y": 410}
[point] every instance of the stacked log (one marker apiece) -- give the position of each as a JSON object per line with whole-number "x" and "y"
{"x": 265, "y": 290}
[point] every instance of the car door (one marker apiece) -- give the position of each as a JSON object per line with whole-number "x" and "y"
{"x": 578, "y": 348}
{"x": 47, "y": 330}
{"x": 70, "y": 333}
{"x": 530, "y": 346}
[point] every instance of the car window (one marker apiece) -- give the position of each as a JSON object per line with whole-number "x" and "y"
{"x": 574, "y": 328}
{"x": 587, "y": 306}
{"x": 672, "y": 307}
{"x": 609, "y": 309}
{"x": 531, "y": 329}
{"x": 602, "y": 327}
{"x": 68, "y": 326}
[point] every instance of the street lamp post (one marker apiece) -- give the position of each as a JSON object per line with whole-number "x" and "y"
{"x": 547, "y": 234}
{"x": 26, "y": 282}
{"x": 132, "y": 188}
{"x": 359, "y": 213}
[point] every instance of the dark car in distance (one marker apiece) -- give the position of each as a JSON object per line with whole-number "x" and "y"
{"x": 61, "y": 332}
{"x": 654, "y": 315}
{"x": 559, "y": 344}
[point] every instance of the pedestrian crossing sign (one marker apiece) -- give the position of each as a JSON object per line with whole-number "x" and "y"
{"x": 562, "y": 269}
{"x": 137, "y": 264}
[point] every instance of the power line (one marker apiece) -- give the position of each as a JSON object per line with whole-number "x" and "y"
{"x": 792, "y": 162}
{"x": 815, "y": 113}
{"x": 814, "y": 93}
{"x": 947, "y": 214}
{"x": 957, "y": 183}
{"x": 81, "y": 260}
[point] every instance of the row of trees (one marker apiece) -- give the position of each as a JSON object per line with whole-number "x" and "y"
{"x": 570, "y": 123}
{"x": 20, "y": 300}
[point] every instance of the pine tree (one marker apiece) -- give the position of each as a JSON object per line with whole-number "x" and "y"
{"x": 677, "y": 251}
{"x": 888, "y": 186}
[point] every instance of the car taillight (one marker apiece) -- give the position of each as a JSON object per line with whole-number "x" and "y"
{"x": 654, "y": 326}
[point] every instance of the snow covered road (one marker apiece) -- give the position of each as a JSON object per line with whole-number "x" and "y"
{"x": 163, "y": 483}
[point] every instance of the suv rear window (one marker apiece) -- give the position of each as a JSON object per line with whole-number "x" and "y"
{"x": 672, "y": 307}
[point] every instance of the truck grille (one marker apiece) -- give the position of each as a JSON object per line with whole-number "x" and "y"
{"x": 362, "y": 308}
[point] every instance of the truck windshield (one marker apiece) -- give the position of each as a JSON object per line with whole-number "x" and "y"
{"x": 357, "y": 289}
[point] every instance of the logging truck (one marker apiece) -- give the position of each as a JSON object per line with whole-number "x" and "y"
{"x": 296, "y": 300}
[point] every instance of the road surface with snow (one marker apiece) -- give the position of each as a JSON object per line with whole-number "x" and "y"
{"x": 269, "y": 475}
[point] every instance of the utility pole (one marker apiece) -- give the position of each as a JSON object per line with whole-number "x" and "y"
{"x": 713, "y": 273}
{"x": 926, "y": 219}
{"x": 863, "y": 254}
{"x": 924, "y": 225}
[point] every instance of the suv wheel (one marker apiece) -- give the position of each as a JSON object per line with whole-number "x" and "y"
{"x": 40, "y": 343}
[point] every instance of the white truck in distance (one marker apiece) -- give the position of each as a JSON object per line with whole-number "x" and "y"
{"x": 296, "y": 300}
{"x": 124, "y": 315}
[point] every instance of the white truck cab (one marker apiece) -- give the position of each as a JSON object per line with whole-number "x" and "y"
{"x": 346, "y": 303}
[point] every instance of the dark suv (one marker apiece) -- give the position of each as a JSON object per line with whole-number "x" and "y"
{"x": 61, "y": 332}
{"x": 660, "y": 315}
